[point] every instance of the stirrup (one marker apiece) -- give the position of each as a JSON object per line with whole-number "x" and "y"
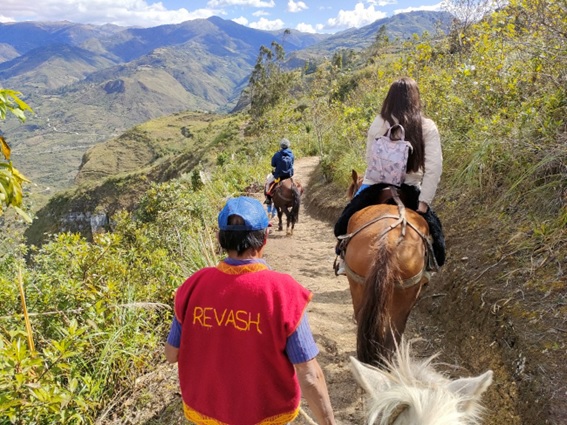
{"x": 339, "y": 266}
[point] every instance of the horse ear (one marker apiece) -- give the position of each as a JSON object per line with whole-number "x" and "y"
{"x": 371, "y": 379}
{"x": 354, "y": 176}
{"x": 471, "y": 388}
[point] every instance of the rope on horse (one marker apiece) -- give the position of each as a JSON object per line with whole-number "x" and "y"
{"x": 429, "y": 265}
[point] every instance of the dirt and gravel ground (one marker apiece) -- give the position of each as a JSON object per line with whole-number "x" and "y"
{"x": 456, "y": 315}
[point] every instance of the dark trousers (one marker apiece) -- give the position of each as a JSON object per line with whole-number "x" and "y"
{"x": 410, "y": 197}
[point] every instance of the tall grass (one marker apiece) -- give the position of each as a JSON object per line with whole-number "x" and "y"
{"x": 100, "y": 311}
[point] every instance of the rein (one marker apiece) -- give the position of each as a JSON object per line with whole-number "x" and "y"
{"x": 429, "y": 264}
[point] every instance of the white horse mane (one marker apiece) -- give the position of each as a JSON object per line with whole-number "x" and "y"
{"x": 412, "y": 392}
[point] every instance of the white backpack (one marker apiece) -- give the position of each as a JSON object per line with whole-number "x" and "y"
{"x": 389, "y": 158}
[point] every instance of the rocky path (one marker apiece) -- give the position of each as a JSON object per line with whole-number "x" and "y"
{"x": 308, "y": 256}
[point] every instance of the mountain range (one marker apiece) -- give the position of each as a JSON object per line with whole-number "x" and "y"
{"x": 88, "y": 83}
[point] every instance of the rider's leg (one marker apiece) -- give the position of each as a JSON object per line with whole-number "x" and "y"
{"x": 436, "y": 232}
{"x": 364, "y": 198}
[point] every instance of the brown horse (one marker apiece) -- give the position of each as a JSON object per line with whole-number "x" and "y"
{"x": 287, "y": 200}
{"x": 387, "y": 255}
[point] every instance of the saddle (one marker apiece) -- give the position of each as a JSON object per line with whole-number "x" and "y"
{"x": 388, "y": 195}
{"x": 392, "y": 196}
{"x": 273, "y": 185}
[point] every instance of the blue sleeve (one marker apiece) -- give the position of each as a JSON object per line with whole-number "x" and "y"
{"x": 300, "y": 346}
{"x": 174, "y": 337}
{"x": 275, "y": 159}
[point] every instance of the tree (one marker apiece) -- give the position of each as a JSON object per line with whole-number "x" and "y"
{"x": 466, "y": 13}
{"x": 380, "y": 44}
{"x": 10, "y": 178}
{"x": 268, "y": 83}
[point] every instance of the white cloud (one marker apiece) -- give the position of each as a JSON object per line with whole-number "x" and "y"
{"x": 294, "y": 7}
{"x": 242, "y": 21}
{"x": 382, "y": 3}
{"x": 251, "y": 3}
{"x": 433, "y": 7}
{"x": 6, "y": 19}
{"x": 357, "y": 18}
{"x": 260, "y": 13}
{"x": 267, "y": 25}
{"x": 118, "y": 12}
{"x": 303, "y": 27}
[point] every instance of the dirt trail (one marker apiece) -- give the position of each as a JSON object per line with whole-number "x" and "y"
{"x": 308, "y": 256}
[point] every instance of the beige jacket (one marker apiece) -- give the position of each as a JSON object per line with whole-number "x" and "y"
{"x": 427, "y": 178}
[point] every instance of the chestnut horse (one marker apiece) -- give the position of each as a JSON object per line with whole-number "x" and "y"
{"x": 287, "y": 200}
{"x": 388, "y": 259}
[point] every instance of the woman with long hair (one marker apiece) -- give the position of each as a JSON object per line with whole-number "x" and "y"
{"x": 402, "y": 106}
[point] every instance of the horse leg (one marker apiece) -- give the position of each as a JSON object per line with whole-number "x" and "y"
{"x": 403, "y": 301}
{"x": 280, "y": 224}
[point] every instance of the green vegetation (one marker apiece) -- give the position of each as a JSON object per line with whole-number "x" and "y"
{"x": 99, "y": 310}
{"x": 10, "y": 178}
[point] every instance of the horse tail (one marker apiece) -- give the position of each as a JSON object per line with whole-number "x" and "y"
{"x": 374, "y": 331}
{"x": 296, "y": 203}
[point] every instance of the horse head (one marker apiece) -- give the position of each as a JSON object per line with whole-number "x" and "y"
{"x": 409, "y": 391}
{"x": 355, "y": 184}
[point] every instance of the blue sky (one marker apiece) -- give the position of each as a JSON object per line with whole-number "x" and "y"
{"x": 324, "y": 16}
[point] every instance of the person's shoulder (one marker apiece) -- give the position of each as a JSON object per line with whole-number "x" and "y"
{"x": 379, "y": 125}
{"x": 378, "y": 120}
{"x": 280, "y": 277}
{"x": 428, "y": 126}
{"x": 428, "y": 123}
{"x": 197, "y": 275}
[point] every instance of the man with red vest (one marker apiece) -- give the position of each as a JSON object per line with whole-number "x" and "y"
{"x": 241, "y": 336}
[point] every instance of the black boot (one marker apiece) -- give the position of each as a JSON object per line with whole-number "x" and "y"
{"x": 436, "y": 232}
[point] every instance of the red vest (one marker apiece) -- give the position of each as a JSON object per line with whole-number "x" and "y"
{"x": 232, "y": 363}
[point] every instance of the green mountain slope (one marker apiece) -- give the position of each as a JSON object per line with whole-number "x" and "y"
{"x": 401, "y": 26}
{"x": 88, "y": 84}
{"x": 51, "y": 67}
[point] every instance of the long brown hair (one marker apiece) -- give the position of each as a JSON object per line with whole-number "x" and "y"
{"x": 404, "y": 103}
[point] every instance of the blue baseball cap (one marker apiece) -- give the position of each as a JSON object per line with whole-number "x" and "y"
{"x": 251, "y": 210}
